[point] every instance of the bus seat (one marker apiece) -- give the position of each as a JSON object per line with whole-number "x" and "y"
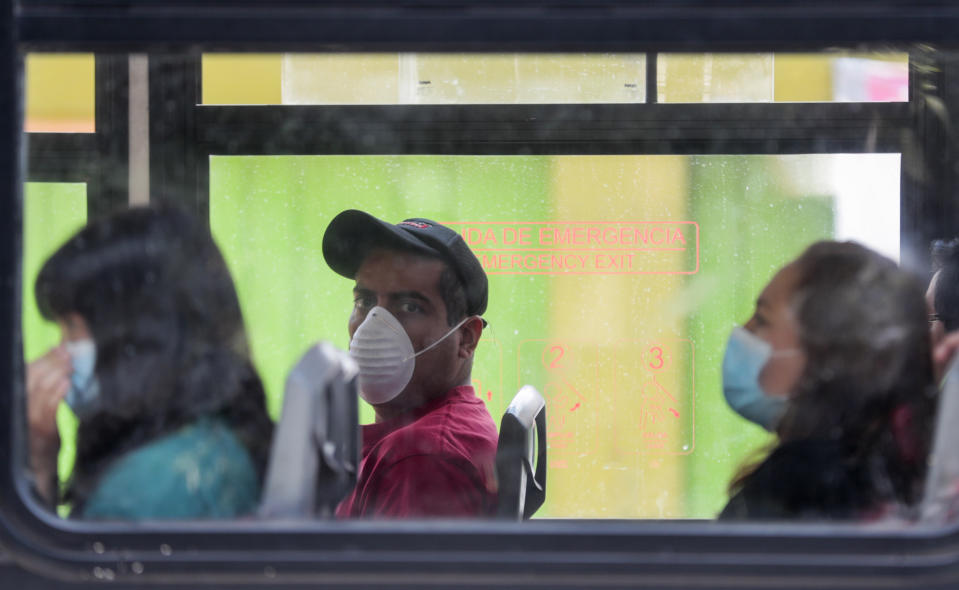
{"x": 521, "y": 489}
{"x": 940, "y": 502}
{"x": 315, "y": 452}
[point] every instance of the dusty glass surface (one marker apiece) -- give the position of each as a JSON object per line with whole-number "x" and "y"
{"x": 614, "y": 280}
{"x": 782, "y": 77}
{"x": 410, "y": 78}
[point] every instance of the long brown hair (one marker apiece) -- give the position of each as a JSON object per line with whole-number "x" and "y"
{"x": 868, "y": 385}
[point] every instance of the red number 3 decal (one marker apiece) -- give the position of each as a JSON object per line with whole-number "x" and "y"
{"x": 657, "y": 362}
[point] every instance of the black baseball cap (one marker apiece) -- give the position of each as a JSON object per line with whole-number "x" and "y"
{"x": 352, "y": 234}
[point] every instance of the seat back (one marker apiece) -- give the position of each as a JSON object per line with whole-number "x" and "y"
{"x": 315, "y": 452}
{"x": 522, "y": 488}
{"x": 940, "y": 502}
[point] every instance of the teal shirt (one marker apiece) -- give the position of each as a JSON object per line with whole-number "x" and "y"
{"x": 199, "y": 471}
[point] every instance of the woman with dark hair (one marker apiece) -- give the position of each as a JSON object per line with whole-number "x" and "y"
{"x": 836, "y": 360}
{"x": 155, "y": 364}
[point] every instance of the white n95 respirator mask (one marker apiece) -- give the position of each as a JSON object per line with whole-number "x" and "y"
{"x": 385, "y": 356}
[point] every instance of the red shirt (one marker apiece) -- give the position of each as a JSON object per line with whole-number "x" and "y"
{"x": 437, "y": 460}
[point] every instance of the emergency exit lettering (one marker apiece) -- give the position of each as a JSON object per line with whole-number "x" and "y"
{"x": 593, "y": 236}
{"x": 641, "y": 247}
{"x": 554, "y": 262}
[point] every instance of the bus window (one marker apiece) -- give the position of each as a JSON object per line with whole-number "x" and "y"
{"x": 783, "y": 77}
{"x": 317, "y": 79}
{"x": 613, "y": 281}
{"x": 614, "y": 278}
{"x": 632, "y": 179}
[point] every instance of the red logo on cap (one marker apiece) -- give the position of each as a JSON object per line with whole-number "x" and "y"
{"x": 415, "y": 224}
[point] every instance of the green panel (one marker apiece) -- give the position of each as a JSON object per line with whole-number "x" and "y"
{"x": 268, "y": 214}
{"x": 52, "y": 213}
{"x": 749, "y": 229}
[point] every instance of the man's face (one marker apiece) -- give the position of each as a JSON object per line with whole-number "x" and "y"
{"x": 407, "y": 285}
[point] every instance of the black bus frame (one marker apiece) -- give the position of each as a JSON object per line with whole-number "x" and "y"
{"x": 416, "y": 554}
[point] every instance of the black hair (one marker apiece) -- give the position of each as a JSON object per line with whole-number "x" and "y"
{"x": 453, "y": 294}
{"x": 161, "y": 307}
{"x": 945, "y": 261}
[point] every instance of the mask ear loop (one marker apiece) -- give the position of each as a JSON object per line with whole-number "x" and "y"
{"x": 442, "y": 338}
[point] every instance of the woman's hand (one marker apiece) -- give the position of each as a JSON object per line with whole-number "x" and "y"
{"x": 48, "y": 381}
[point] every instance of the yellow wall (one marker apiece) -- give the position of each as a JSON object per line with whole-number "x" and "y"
{"x": 59, "y": 93}
{"x": 608, "y": 361}
{"x": 241, "y": 78}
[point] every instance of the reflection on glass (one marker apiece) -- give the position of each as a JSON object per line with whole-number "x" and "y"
{"x": 613, "y": 283}
{"x": 60, "y": 97}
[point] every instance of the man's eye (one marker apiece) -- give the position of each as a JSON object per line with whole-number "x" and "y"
{"x": 362, "y": 302}
{"x": 410, "y": 307}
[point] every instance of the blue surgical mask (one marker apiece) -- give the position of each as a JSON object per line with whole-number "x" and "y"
{"x": 84, "y": 395}
{"x": 746, "y": 355}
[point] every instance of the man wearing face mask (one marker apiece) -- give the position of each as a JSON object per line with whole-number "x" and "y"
{"x": 415, "y": 324}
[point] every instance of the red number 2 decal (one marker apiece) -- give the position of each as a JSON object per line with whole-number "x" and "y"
{"x": 559, "y": 352}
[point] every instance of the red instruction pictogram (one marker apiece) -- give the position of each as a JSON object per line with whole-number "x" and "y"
{"x": 619, "y": 399}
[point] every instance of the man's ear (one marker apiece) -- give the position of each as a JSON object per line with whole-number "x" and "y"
{"x": 470, "y": 333}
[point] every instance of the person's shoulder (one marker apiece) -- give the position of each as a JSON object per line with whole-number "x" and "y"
{"x": 200, "y": 471}
{"x": 460, "y": 407}
{"x": 460, "y": 428}
{"x": 806, "y": 479}
{"x": 204, "y": 441}
{"x": 464, "y": 416}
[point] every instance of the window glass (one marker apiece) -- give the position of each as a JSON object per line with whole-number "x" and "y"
{"x": 551, "y": 78}
{"x": 411, "y": 78}
{"x": 242, "y": 78}
{"x": 59, "y": 93}
{"x": 782, "y": 77}
{"x": 52, "y": 212}
{"x": 614, "y": 281}
{"x": 621, "y": 248}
